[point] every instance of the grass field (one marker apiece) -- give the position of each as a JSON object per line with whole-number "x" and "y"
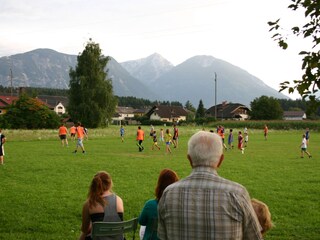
{"x": 44, "y": 185}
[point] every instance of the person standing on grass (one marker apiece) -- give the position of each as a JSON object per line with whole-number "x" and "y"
{"x": 204, "y": 205}
{"x": 230, "y": 139}
{"x": 80, "y": 134}
{"x": 240, "y": 142}
{"x": 175, "y": 137}
{"x": 265, "y": 132}
{"x": 101, "y": 205}
{"x": 161, "y": 135}
{"x": 73, "y": 132}
{"x": 122, "y": 131}
{"x": 307, "y": 135}
{"x": 2, "y": 141}
{"x": 63, "y": 132}
{"x": 155, "y": 141}
{"x": 140, "y": 138}
{"x": 149, "y": 214}
{"x": 246, "y": 139}
{"x": 168, "y": 140}
{"x": 303, "y": 147}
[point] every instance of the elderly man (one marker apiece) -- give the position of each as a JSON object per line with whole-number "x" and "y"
{"x": 204, "y": 205}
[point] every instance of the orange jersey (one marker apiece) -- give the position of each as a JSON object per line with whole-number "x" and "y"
{"x": 73, "y": 129}
{"x": 80, "y": 132}
{"x": 140, "y": 134}
{"x": 63, "y": 130}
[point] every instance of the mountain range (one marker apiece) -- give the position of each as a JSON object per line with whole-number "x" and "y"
{"x": 153, "y": 77}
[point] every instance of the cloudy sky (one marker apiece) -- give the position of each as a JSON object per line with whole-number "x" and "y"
{"x": 232, "y": 30}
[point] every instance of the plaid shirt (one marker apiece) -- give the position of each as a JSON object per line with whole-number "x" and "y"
{"x": 206, "y": 206}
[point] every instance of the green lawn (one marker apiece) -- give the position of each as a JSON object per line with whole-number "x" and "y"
{"x": 44, "y": 185}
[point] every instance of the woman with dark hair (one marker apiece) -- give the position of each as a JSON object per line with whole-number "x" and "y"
{"x": 149, "y": 215}
{"x": 101, "y": 205}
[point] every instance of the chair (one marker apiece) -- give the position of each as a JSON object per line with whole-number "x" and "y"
{"x": 109, "y": 229}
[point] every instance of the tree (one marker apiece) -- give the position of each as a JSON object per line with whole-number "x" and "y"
{"x": 265, "y": 108}
{"x": 189, "y": 106}
{"x": 29, "y": 113}
{"x": 309, "y": 84}
{"x": 91, "y": 99}
{"x": 200, "y": 110}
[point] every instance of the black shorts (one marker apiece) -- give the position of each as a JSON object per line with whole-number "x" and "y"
{"x": 62, "y": 137}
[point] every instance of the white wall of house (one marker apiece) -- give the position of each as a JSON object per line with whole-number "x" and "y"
{"x": 59, "y": 109}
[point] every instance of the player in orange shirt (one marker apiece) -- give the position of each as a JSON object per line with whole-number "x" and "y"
{"x": 140, "y": 138}
{"x": 73, "y": 132}
{"x": 63, "y": 131}
{"x": 80, "y": 134}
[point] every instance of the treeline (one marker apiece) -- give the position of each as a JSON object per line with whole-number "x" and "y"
{"x": 33, "y": 92}
{"x": 134, "y": 102}
{"x": 143, "y": 103}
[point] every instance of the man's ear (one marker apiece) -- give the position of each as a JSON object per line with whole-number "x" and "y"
{"x": 190, "y": 160}
{"x": 220, "y": 161}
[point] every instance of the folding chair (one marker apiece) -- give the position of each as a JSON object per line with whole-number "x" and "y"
{"x": 109, "y": 229}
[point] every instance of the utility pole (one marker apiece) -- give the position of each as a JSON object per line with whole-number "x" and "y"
{"x": 215, "y": 95}
{"x": 11, "y": 81}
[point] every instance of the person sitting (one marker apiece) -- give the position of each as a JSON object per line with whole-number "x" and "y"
{"x": 204, "y": 205}
{"x": 149, "y": 215}
{"x": 101, "y": 205}
{"x": 263, "y": 214}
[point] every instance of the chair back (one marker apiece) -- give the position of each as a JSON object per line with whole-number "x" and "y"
{"x": 110, "y": 229}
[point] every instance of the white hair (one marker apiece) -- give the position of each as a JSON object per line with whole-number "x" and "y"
{"x": 205, "y": 149}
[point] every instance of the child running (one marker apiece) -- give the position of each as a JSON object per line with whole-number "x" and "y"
{"x": 303, "y": 147}
{"x": 240, "y": 142}
{"x": 122, "y": 133}
{"x": 155, "y": 141}
{"x": 168, "y": 139}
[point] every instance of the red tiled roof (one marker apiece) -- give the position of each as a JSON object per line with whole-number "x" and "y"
{"x": 8, "y": 100}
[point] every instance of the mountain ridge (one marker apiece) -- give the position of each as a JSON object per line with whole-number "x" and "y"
{"x": 153, "y": 77}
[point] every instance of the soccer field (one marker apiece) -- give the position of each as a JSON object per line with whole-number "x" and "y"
{"x": 43, "y": 185}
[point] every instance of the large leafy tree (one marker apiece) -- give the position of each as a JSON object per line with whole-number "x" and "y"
{"x": 91, "y": 99}
{"x": 266, "y": 108}
{"x": 29, "y": 113}
{"x": 309, "y": 83}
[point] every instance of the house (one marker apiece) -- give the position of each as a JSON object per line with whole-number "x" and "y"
{"x": 235, "y": 111}
{"x": 56, "y": 103}
{"x": 167, "y": 113}
{"x": 5, "y": 101}
{"x": 123, "y": 114}
{"x": 294, "y": 115}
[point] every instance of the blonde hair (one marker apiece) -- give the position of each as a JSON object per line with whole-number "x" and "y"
{"x": 263, "y": 214}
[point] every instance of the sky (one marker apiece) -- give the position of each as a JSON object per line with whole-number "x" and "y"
{"x": 235, "y": 31}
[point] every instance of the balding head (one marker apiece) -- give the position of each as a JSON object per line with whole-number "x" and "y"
{"x": 205, "y": 149}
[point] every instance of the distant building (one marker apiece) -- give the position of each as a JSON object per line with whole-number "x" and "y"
{"x": 5, "y": 102}
{"x": 56, "y": 103}
{"x": 234, "y": 111}
{"x": 294, "y": 115}
{"x": 167, "y": 113}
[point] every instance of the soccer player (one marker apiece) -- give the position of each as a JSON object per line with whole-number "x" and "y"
{"x": 155, "y": 141}
{"x": 168, "y": 139}
{"x": 63, "y": 131}
{"x": 80, "y": 134}
{"x": 140, "y": 138}
{"x": 73, "y": 132}
{"x": 122, "y": 133}
{"x": 303, "y": 147}
{"x": 240, "y": 142}
{"x": 2, "y": 141}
